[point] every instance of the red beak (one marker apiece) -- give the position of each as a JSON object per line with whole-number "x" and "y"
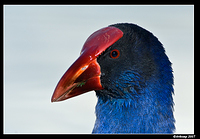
{"x": 84, "y": 73}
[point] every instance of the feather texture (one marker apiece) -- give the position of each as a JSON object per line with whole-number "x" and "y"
{"x": 138, "y": 86}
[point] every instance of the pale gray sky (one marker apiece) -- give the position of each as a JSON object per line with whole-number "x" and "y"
{"x": 41, "y": 42}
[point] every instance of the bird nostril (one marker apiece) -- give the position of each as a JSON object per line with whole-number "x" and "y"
{"x": 84, "y": 68}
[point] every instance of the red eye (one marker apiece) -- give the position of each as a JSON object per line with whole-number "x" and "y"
{"x": 114, "y": 54}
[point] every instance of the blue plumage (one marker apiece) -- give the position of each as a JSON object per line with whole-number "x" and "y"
{"x": 137, "y": 94}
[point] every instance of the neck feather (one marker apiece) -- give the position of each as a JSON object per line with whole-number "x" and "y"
{"x": 148, "y": 111}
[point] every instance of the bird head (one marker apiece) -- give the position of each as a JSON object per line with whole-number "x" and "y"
{"x": 117, "y": 62}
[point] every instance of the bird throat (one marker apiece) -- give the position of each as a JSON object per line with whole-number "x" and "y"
{"x": 140, "y": 114}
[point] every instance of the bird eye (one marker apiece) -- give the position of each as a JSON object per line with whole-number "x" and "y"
{"x": 114, "y": 54}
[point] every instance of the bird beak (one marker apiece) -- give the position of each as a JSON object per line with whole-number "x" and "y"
{"x": 84, "y": 73}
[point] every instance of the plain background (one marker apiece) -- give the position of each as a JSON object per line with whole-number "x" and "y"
{"x": 41, "y": 42}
